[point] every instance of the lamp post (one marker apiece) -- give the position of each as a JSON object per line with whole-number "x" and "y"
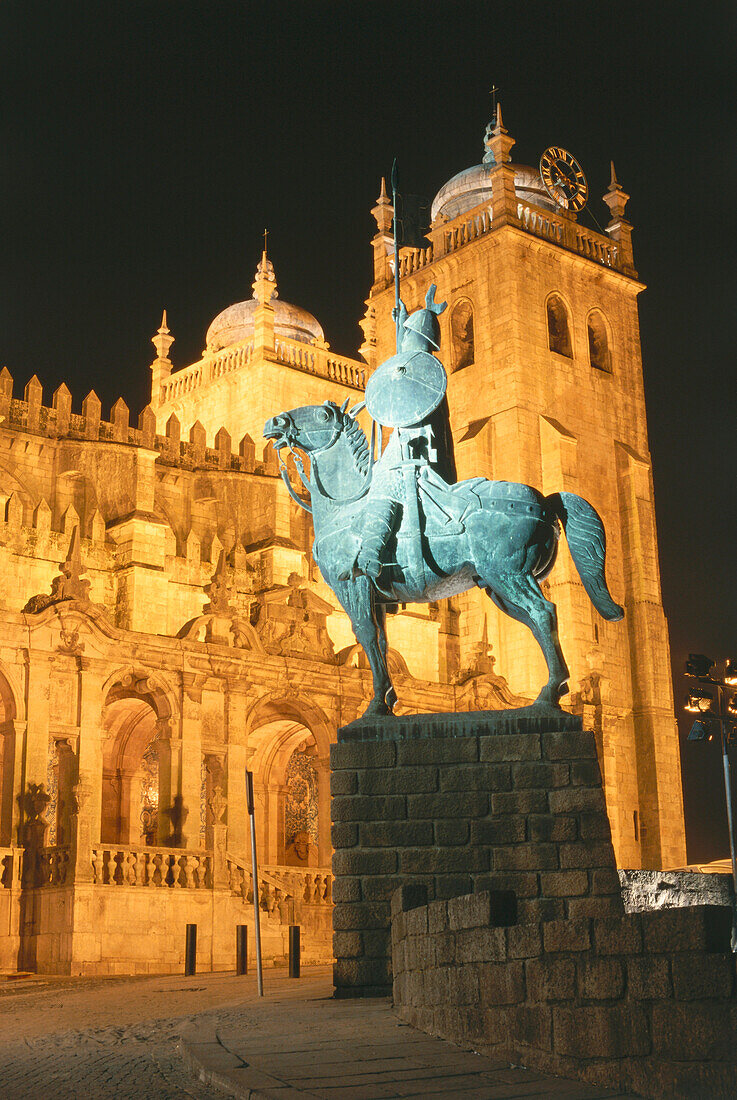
{"x": 700, "y": 701}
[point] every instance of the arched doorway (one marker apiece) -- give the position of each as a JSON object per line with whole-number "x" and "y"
{"x": 130, "y": 772}
{"x": 8, "y": 763}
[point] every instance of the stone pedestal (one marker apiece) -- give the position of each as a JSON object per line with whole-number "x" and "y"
{"x": 503, "y": 801}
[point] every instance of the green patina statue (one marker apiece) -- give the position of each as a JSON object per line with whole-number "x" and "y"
{"x": 397, "y": 529}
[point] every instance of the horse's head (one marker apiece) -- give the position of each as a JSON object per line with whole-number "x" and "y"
{"x": 311, "y": 427}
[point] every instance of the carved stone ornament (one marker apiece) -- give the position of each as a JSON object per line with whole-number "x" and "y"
{"x": 70, "y": 585}
{"x": 290, "y": 620}
{"x": 398, "y": 529}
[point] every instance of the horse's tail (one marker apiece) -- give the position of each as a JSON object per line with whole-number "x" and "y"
{"x": 587, "y": 542}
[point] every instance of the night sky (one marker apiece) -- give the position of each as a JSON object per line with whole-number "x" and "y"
{"x": 146, "y": 145}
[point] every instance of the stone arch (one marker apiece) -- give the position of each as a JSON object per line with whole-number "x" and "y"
{"x": 600, "y": 353}
{"x": 559, "y": 325}
{"x": 462, "y": 334}
{"x": 138, "y": 711}
{"x": 8, "y": 762}
{"x": 289, "y": 739}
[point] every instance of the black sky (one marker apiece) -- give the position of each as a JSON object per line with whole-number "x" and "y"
{"x": 145, "y": 145}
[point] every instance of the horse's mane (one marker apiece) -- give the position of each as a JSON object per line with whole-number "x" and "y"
{"x": 357, "y": 442}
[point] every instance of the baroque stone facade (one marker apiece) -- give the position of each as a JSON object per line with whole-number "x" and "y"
{"x": 163, "y": 625}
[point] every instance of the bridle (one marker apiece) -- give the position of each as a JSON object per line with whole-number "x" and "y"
{"x": 298, "y": 462}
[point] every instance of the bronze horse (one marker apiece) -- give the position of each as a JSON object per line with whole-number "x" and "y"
{"x": 497, "y": 535}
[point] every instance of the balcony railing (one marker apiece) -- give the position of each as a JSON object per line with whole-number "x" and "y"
{"x": 173, "y": 868}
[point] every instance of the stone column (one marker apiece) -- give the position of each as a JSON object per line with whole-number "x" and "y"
{"x": 191, "y": 764}
{"x": 171, "y": 820}
{"x": 12, "y": 781}
{"x": 89, "y": 757}
{"x": 324, "y": 843}
{"x": 67, "y": 777}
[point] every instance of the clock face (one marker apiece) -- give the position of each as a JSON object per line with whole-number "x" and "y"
{"x": 563, "y": 178}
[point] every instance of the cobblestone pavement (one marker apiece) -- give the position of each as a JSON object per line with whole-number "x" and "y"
{"x": 99, "y": 1038}
{"x": 105, "y": 1038}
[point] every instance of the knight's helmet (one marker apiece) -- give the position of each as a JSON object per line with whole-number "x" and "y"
{"x": 421, "y": 330}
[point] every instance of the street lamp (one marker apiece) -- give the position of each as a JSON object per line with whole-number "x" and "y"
{"x": 699, "y": 701}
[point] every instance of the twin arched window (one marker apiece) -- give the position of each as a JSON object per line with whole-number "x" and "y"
{"x": 559, "y": 334}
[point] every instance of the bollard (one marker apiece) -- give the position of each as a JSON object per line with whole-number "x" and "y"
{"x": 190, "y": 950}
{"x": 241, "y": 949}
{"x": 293, "y": 950}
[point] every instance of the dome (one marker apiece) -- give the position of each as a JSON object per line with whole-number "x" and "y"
{"x": 472, "y": 186}
{"x": 237, "y": 322}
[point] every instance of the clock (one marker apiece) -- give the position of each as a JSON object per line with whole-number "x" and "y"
{"x": 563, "y": 178}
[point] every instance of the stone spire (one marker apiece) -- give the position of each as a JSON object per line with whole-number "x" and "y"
{"x": 383, "y": 212}
{"x": 499, "y": 162}
{"x": 383, "y": 240}
{"x": 162, "y": 365}
{"x": 264, "y": 283}
{"x": 619, "y": 229}
{"x": 264, "y": 289}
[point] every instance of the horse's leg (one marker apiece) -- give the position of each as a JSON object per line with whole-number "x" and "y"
{"x": 519, "y": 596}
{"x": 367, "y": 620}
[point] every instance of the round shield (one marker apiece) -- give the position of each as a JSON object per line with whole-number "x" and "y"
{"x": 406, "y": 389}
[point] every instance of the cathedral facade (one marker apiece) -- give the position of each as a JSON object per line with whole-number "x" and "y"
{"x": 164, "y": 627}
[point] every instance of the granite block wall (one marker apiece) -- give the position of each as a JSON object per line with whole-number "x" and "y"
{"x": 643, "y": 1002}
{"x": 507, "y": 801}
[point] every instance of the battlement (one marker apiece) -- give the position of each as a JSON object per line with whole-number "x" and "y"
{"x": 57, "y": 421}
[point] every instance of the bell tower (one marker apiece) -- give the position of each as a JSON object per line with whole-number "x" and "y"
{"x": 542, "y": 348}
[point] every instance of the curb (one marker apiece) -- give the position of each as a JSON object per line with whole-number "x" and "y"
{"x": 211, "y": 1063}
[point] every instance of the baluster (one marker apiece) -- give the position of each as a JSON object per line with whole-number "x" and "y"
{"x": 131, "y": 861}
{"x": 306, "y": 893}
{"x": 158, "y": 872}
{"x": 189, "y": 865}
{"x": 317, "y": 892}
{"x": 96, "y": 865}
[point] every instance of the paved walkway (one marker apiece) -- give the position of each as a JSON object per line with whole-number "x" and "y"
{"x": 200, "y": 1038}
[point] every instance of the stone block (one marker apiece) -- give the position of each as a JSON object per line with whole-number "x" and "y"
{"x": 344, "y": 834}
{"x": 544, "y": 909}
{"x": 419, "y": 952}
{"x": 551, "y": 978}
{"x": 521, "y": 883}
{"x": 376, "y": 944}
{"x": 349, "y": 945}
{"x": 398, "y": 780}
{"x": 585, "y": 773}
{"x": 502, "y": 983}
{"x": 445, "y": 948}
{"x": 480, "y": 945}
{"x": 698, "y": 1032}
{"x": 447, "y": 805}
{"x": 568, "y": 745}
{"x": 451, "y": 832}
{"x": 415, "y": 921}
{"x": 540, "y": 773}
{"x": 379, "y": 887}
{"x": 519, "y": 802}
{"x": 346, "y": 889}
{"x": 564, "y": 884}
{"x": 605, "y": 880}
{"x": 532, "y": 1026}
{"x": 600, "y": 979}
{"x": 437, "y": 916}
{"x": 452, "y": 886}
{"x": 380, "y": 834}
{"x": 524, "y": 941}
{"x": 607, "y": 905}
{"x": 594, "y": 826}
{"x": 464, "y": 985}
{"x": 601, "y": 1031}
{"x": 648, "y": 977}
{"x": 363, "y": 754}
{"x": 408, "y": 897}
{"x": 477, "y": 777}
{"x": 693, "y": 928}
{"x": 354, "y": 973}
{"x": 697, "y": 976}
{"x": 574, "y": 800}
{"x": 460, "y": 750}
{"x": 343, "y": 782}
{"x": 510, "y": 746}
{"x": 417, "y": 861}
{"x": 526, "y": 857}
{"x": 552, "y": 827}
{"x": 365, "y": 861}
{"x": 356, "y": 916}
{"x": 567, "y": 935}
{"x": 618, "y": 935}
{"x": 498, "y": 830}
{"x": 366, "y": 808}
{"x": 437, "y": 985}
{"x": 591, "y": 853}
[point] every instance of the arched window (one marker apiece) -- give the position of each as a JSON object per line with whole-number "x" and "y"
{"x": 559, "y": 333}
{"x": 599, "y": 353}
{"x": 461, "y": 332}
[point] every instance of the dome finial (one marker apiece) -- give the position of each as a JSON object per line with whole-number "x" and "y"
{"x": 614, "y": 182}
{"x": 264, "y": 284}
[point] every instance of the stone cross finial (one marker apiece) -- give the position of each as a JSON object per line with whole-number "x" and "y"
{"x": 220, "y": 589}
{"x": 264, "y": 284}
{"x": 70, "y": 585}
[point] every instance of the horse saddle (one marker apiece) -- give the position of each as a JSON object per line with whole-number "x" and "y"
{"x": 447, "y": 507}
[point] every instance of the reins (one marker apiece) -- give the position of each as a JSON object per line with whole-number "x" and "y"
{"x": 351, "y": 499}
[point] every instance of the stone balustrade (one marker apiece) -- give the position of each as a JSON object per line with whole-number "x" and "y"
{"x": 320, "y": 361}
{"x": 175, "y": 868}
{"x": 11, "y": 864}
{"x": 47, "y": 866}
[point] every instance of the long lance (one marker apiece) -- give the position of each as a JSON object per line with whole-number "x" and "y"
{"x": 396, "y": 255}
